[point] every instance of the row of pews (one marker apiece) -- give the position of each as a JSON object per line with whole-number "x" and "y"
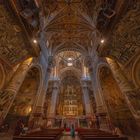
{"x": 45, "y": 134}
{"x": 94, "y": 134}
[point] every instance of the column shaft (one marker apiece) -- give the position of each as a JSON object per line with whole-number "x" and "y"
{"x": 100, "y": 104}
{"x": 54, "y": 100}
{"x": 36, "y": 118}
{"x": 86, "y": 100}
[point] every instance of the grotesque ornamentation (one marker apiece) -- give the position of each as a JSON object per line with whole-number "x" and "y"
{"x": 124, "y": 42}
{"x": 12, "y": 48}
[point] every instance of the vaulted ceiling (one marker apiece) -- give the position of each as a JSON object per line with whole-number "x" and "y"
{"x": 69, "y": 25}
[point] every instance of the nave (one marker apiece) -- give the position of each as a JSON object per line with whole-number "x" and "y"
{"x": 70, "y": 66}
{"x": 61, "y": 134}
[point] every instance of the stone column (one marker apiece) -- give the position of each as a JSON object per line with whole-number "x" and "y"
{"x": 93, "y": 72}
{"x": 101, "y": 108}
{"x": 8, "y": 95}
{"x": 54, "y": 99}
{"x": 36, "y": 118}
{"x": 86, "y": 99}
{"x": 131, "y": 95}
{"x": 100, "y": 105}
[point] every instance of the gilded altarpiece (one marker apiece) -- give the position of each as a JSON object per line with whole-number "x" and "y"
{"x": 70, "y": 101}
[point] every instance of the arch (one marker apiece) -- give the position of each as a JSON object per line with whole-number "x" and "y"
{"x": 2, "y": 76}
{"x": 114, "y": 100}
{"x": 69, "y": 49}
{"x": 136, "y": 72}
{"x": 73, "y": 47}
{"x": 77, "y": 72}
{"x": 27, "y": 95}
{"x": 39, "y": 67}
{"x": 97, "y": 79}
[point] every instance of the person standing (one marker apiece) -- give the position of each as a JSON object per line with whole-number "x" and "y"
{"x": 72, "y": 131}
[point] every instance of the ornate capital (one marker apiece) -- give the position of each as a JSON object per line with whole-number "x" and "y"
{"x": 88, "y": 61}
{"x": 84, "y": 84}
{"x": 56, "y": 84}
{"x": 51, "y": 61}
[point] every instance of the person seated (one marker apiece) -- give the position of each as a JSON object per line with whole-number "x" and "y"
{"x": 24, "y": 130}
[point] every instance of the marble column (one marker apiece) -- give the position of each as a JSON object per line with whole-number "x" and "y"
{"x": 8, "y": 95}
{"x": 86, "y": 99}
{"x": 131, "y": 95}
{"x": 54, "y": 97}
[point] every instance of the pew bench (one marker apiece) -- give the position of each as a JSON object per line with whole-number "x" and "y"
{"x": 46, "y": 134}
{"x": 103, "y": 138}
{"x": 94, "y": 134}
{"x": 33, "y": 138}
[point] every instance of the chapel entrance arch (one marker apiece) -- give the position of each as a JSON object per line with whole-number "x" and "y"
{"x": 25, "y": 98}
{"x": 116, "y": 105}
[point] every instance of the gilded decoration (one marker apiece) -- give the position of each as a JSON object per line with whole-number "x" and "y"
{"x": 12, "y": 46}
{"x": 70, "y": 23}
{"x": 115, "y": 101}
{"x": 126, "y": 39}
{"x": 77, "y": 39}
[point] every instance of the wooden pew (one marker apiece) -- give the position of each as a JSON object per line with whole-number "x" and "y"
{"x": 45, "y": 134}
{"x": 94, "y": 134}
{"x": 103, "y": 138}
{"x": 33, "y": 138}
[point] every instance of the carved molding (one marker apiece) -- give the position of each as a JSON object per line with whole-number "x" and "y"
{"x": 136, "y": 72}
